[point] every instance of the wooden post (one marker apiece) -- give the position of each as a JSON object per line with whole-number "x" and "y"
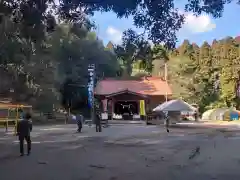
{"x": 113, "y": 106}
{"x": 166, "y": 98}
{"x": 16, "y": 123}
{"x": 7, "y": 121}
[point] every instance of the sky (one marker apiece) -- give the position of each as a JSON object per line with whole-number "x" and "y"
{"x": 195, "y": 29}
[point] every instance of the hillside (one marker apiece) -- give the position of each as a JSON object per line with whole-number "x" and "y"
{"x": 207, "y": 75}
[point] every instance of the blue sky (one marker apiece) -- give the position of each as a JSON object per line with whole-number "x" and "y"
{"x": 196, "y": 29}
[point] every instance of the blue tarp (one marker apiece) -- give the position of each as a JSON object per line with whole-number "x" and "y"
{"x": 234, "y": 116}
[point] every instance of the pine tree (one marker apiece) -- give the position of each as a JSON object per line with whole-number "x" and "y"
{"x": 216, "y": 50}
{"x": 182, "y": 69}
{"x": 203, "y": 77}
{"x": 196, "y": 51}
{"x": 183, "y": 49}
{"x": 216, "y": 59}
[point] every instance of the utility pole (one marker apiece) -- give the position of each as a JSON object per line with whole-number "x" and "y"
{"x": 165, "y": 71}
{"x": 165, "y": 77}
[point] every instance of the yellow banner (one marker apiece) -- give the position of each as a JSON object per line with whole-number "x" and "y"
{"x": 142, "y": 108}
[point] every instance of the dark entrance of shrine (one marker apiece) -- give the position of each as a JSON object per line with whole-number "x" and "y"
{"x": 126, "y": 108}
{"x": 125, "y": 104}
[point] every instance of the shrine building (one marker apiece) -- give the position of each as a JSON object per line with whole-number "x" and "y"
{"x": 121, "y": 98}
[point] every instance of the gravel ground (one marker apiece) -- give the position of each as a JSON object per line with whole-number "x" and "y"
{"x": 124, "y": 153}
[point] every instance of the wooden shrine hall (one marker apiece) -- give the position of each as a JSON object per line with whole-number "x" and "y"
{"x": 128, "y": 99}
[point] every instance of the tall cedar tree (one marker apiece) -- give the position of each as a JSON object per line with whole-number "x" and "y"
{"x": 229, "y": 71}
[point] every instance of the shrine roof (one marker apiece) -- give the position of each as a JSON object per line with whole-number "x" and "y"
{"x": 145, "y": 86}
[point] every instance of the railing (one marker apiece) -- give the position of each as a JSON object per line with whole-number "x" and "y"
{"x": 7, "y": 123}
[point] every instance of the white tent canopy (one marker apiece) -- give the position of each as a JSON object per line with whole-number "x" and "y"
{"x": 174, "y": 105}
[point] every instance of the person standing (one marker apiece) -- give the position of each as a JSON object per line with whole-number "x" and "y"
{"x": 167, "y": 119}
{"x": 67, "y": 116}
{"x": 80, "y": 120}
{"x": 195, "y": 116}
{"x": 98, "y": 122}
{"x": 20, "y": 113}
{"x": 24, "y": 128}
{"x": 74, "y": 118}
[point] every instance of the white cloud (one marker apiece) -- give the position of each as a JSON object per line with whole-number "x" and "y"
{"x": 200, "y": 24}
{"x": 114, "y": 35}
{"x": 193, "y": 25}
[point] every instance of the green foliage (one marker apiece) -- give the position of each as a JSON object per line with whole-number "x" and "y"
{"x": 205, "y": 75}
{"x": 134, "y": 47}
{"x": 159, "y": 52}
{"x": 38, "y": 72}
{"x": 229, "y": 71}
{"x": 193, "y": 73}
{"x": 160, "y": 18}
{"x": 160, "y": 57}
{"x": 74, "y": 51}
{"x": 37, "y": 55}
{"x": 180, "y": 76}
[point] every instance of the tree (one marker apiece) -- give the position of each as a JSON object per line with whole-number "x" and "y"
{"x": 205, "y": 62}
{"x": 188, "y": 73}
{"x": 39, "y": 56}
{"x": 216, "y": 66}
{"x": 160, "y": 57}
{"x": 209, "y": 75}
{"x": 216, "y": 58}
{"x": 134, "y": 47}
{"x": 36, "y": 71}
{"x": 73, "y": 49}
{"x": 196, "y": 50}
{"x": 205, "y": 77}
{"x": 181, "y": 79}
{"x": 230, "y": 71}
{"x": 184, "y": 47}
{"x": 160, "y": 19}
{"x": 15, "y": 55}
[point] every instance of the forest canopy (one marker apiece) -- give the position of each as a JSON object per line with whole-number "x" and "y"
{"x": 53, "y": 72}
{"x": 161, "y": 19}
{"x": 47, "y": 45}
{"x": 208, "y": 75}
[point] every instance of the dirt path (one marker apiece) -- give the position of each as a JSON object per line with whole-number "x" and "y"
{"x": 180, "y": 155}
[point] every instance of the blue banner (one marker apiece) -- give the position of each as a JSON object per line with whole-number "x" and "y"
{"x": 91, "y": 72}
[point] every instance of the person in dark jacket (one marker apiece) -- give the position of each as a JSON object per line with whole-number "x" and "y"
{"x": 24, "y": 127}
{"x": 98, "y": 122}
{"x": 80, "y": 120}
{"x": 195, "y": 116}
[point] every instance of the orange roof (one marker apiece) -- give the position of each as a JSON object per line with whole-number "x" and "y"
{"x": 145, "y": 86}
